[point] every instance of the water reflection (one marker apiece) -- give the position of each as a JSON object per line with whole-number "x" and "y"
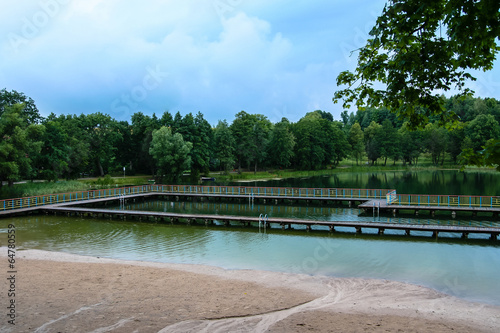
{"x": 450, "y": 182}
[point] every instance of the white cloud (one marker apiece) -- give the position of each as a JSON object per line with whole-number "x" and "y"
{"x": 276, "y": 58}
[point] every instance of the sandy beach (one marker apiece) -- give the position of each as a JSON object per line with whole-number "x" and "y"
{"x": 58, "y": 292}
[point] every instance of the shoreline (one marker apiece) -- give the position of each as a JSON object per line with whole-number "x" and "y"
{"x": 58, "y": 290}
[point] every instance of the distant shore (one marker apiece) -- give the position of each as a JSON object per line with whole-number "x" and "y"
{"x": 59, "y": 292}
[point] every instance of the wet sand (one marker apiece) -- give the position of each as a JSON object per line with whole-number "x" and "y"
{"x": 58, "y": 292}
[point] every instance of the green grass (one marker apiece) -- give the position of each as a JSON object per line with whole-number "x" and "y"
{"x": 30, "y": 189}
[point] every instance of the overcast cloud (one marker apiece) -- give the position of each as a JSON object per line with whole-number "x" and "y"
{"x": 278, "y": 58}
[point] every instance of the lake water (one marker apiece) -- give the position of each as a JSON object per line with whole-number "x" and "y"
{"x": 465, "y": 268}
{"x": 405, "y": 182}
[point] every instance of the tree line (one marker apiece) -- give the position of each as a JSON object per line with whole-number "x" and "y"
{"x": 71, "y": 146}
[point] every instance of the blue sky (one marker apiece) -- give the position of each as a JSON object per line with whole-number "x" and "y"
{"x": 277, "y": 58}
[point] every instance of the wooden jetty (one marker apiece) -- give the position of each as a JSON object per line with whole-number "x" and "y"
{"x": 368, "y": 200}
{"x": 382, "y": 206}
{"x": 382, "y": 200}
{"x": 285, "y": 223}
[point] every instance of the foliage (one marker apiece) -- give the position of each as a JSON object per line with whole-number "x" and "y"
{"x": 29, "y": 112}
{"x": 388, "y": 138}
{"x": 171, "y": 154}
{"x": 251, "y": 132}
{"x": 102, "y": 136}
{"x": 106, "y": 181}
{"x": 356, "y": 140}
{"x": 373, "y": 141}
{"x": 436, "y": 141}
{"x": 419, "y": 48}
{"x": 19, "y": 145}
{"x": 320, "y": 142}
{"x": 201, "y": 139}
{"x": 141, "y": 134}
{"x": 412, "y": 145}
{"x": 71, "y": 146}
{"x": 281, "y": 144}
{"x": 481, "y": 129}
{"x": 224, "y": 146}
{"x": 54, "y": 157}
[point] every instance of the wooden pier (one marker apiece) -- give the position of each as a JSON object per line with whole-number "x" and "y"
{"x": 382, "y": 206}
{"x": 284, "y": 223}
{"x": 366, "y": 199}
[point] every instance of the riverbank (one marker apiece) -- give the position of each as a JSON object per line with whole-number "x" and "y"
{"x": 59, "y": 292}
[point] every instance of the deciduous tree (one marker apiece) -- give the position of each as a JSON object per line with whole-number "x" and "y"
{"x": 224, "y": 146}
{"x": 419, "y": 48}
{"x": 171, "y": 154}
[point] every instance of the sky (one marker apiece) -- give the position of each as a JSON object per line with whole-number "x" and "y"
{"x": 277, "y": 58}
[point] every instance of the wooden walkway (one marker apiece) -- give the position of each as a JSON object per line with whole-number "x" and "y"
{"x": 207, "y": 219}
{"x": 77, "y": 207}
{"x": 381, "y": 205}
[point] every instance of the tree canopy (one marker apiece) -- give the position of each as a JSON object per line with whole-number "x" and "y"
{"x": 417, "y": 50}
{"x": 171, "y": 153}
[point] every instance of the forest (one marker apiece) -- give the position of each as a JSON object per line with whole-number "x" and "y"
{"x": 167, "y": 146}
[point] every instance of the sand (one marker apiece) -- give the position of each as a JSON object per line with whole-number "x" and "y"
{"x": 58, "y": 292}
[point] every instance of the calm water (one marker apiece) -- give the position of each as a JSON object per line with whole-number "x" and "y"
{"x": 405, "y": 182}
{"x": 467, "y": 269}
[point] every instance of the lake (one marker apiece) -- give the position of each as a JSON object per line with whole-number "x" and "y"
{"x": 464, "y": 268}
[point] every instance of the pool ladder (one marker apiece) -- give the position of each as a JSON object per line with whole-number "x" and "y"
{"x": 263, "y": 220}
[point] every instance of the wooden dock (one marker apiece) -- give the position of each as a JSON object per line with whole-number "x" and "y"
{"x": 369, "y": 200}
{"x": 383, "y": 206}
{"x": 285, "y": 223}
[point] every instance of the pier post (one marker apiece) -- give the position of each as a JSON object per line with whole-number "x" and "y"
{"x": 453, "y": 214}
{"x": 465, "y": 235}
{"x": 394, "y": 212}
{"x": 416, "y": 212}
{"x": 494, "y": 236}
{"x": 283, "y": 226}
{"x": 435, "y": 234}
{"x": 433, "y": 213}
{"x": 308, "y": 227}
{"x": 407, "y": 232}
{"x": 381, "y": 231}
{"x": 332, "y": 228}
{"x": 358, "y": 230}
